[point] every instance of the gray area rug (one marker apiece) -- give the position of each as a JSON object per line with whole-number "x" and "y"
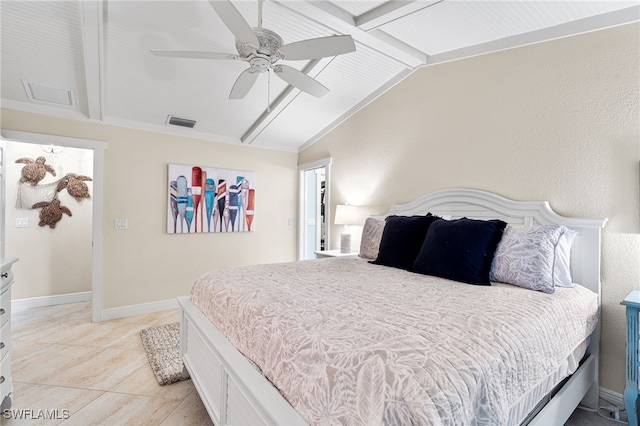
{"x": 161, "y": 344}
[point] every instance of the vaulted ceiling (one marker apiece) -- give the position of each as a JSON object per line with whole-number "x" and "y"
{"x": 91, "y": 60}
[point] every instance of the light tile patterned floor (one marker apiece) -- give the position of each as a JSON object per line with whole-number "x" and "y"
{"x": 98, "y": 373}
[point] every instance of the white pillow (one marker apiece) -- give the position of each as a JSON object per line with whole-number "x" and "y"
{"x": 562, "y": 266}
{"x": 371, "y": 236}
{"x": 534, "y": 257}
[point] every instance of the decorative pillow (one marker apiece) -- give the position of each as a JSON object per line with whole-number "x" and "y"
{"x": 402, "y": 239}
{"x": 562, "y": 265}
{"x": 371, "y": 236}
{"x": 526, "y": 257}
{"x": 460, "y": 249}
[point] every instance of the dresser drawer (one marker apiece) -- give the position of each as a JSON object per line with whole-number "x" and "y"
{"x": 5, "y": 306}
{"x": 5, "y": 377}
{"x": 6, "y": 278}
{"x": 5, "y": 340}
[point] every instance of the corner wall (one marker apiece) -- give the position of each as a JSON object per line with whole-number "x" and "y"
{"x": 556, "y": 121}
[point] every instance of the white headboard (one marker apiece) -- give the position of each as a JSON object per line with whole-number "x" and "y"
{"x": 476, "y": 204}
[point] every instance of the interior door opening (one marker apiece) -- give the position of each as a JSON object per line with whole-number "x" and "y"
{"x": 313, "y": 208}
{"x": 97, "y": 203}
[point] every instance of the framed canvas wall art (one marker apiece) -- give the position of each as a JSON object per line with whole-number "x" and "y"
{"x": 207, "y": 199}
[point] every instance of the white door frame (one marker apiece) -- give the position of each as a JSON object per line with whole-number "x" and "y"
{"x": 302, "y": 168}
{"x": 98, "y": 148}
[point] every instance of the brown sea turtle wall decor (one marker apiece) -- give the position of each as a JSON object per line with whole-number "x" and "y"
{"x": 51, "y": 212}
{"x": 75, "y": 186}
{"x": 35, "y": 170}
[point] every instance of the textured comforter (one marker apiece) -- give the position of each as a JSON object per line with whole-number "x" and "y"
{"x": 348, "y": 342}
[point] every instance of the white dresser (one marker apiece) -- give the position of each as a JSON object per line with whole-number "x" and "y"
{"x": 6, "y": 280}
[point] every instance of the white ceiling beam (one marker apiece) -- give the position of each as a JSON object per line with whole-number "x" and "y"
{"x": 92, "y": 45}
{"x": 336, "y": 19}
{"x": 282, "y": 101}
{"x": 592, "y": 23}
{"x": 389, "y": 12}
{"x": 340, "y": 21}
{"x": 357, "y": 107}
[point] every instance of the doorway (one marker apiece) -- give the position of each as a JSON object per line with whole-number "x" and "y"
{"x": 96, "y": 196}
{"x": 313, "y": 208}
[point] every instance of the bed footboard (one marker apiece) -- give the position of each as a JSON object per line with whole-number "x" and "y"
{"x": 231, "y": 388}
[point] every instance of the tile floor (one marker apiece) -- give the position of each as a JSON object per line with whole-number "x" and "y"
{"x": 98, "y": 373}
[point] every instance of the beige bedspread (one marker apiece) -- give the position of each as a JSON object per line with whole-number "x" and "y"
{"x": 348, "y": 342}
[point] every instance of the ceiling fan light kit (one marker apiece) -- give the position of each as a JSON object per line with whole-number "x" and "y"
{"x": 270, "y": 44}
{"x": 263, "y": 48}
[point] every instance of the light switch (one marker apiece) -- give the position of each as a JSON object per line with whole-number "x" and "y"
{"x": 121, "y": 224}
{"x": 22, "y": 222}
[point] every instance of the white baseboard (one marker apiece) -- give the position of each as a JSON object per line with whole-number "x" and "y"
{"x": 59, "y": 299}
{"x": 612, "y": 397}
{"x": 144, "y": 308}
{"x": 85, "y": 296}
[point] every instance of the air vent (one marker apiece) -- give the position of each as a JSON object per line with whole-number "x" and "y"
{"x": 49, "y": 94}
{"x": 182, "y": 122}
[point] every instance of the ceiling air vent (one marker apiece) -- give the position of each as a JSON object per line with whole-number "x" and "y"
{"x": 49, "y": 94}
{"x": 182, "y": 122}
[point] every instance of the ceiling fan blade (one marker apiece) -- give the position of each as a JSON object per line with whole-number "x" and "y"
{"x": 243, "y": 84}
{"x": 192, "y": 54}
{"x": 317, "y": 48}
{"x": 234, "y": 21}
{"x": 300, "y": 80}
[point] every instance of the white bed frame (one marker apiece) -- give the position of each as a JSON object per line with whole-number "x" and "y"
{"x": 234, "y": 391}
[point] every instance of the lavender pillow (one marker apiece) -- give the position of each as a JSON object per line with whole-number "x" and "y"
{"x": 371, "y": 236}
{"x": 528, "y": 256}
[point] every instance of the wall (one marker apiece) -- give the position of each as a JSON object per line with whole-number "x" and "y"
{"x": 556, "y": 121}
{"x": 52, "y": 261}
{"x": 143, "y": 263}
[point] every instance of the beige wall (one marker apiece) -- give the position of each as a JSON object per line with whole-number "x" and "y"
{"x": 145, "y": 264}
{"x": 52, "y": 261}
{"x": 556, "y": 121}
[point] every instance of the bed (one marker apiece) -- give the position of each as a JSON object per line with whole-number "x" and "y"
{"x": 400, "y": 354}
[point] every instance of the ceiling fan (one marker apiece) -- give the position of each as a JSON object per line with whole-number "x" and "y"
{"x": 263, "y": 48}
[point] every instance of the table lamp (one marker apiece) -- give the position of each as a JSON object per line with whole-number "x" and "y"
{"x": 346, "y": 215}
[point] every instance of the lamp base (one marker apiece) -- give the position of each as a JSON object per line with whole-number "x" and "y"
{"x": 345, "y": 242}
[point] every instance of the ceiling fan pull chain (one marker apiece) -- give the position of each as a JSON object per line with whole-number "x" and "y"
{"x": 268, "y": 90}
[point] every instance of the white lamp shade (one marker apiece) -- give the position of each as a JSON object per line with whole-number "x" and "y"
{"x": 346, "y": 215}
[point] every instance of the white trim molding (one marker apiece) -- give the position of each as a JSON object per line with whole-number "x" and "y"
{"x": 58, "y": 299}
{"x": 141, "y": 309}
{"x": 611, "y": 397}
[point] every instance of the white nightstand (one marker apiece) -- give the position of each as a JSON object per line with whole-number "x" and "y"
{"x": 332, "y": 253}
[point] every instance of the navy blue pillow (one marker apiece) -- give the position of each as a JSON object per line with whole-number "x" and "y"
{"x": 402, "y": 240}
{"x": 460, "y": 250}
